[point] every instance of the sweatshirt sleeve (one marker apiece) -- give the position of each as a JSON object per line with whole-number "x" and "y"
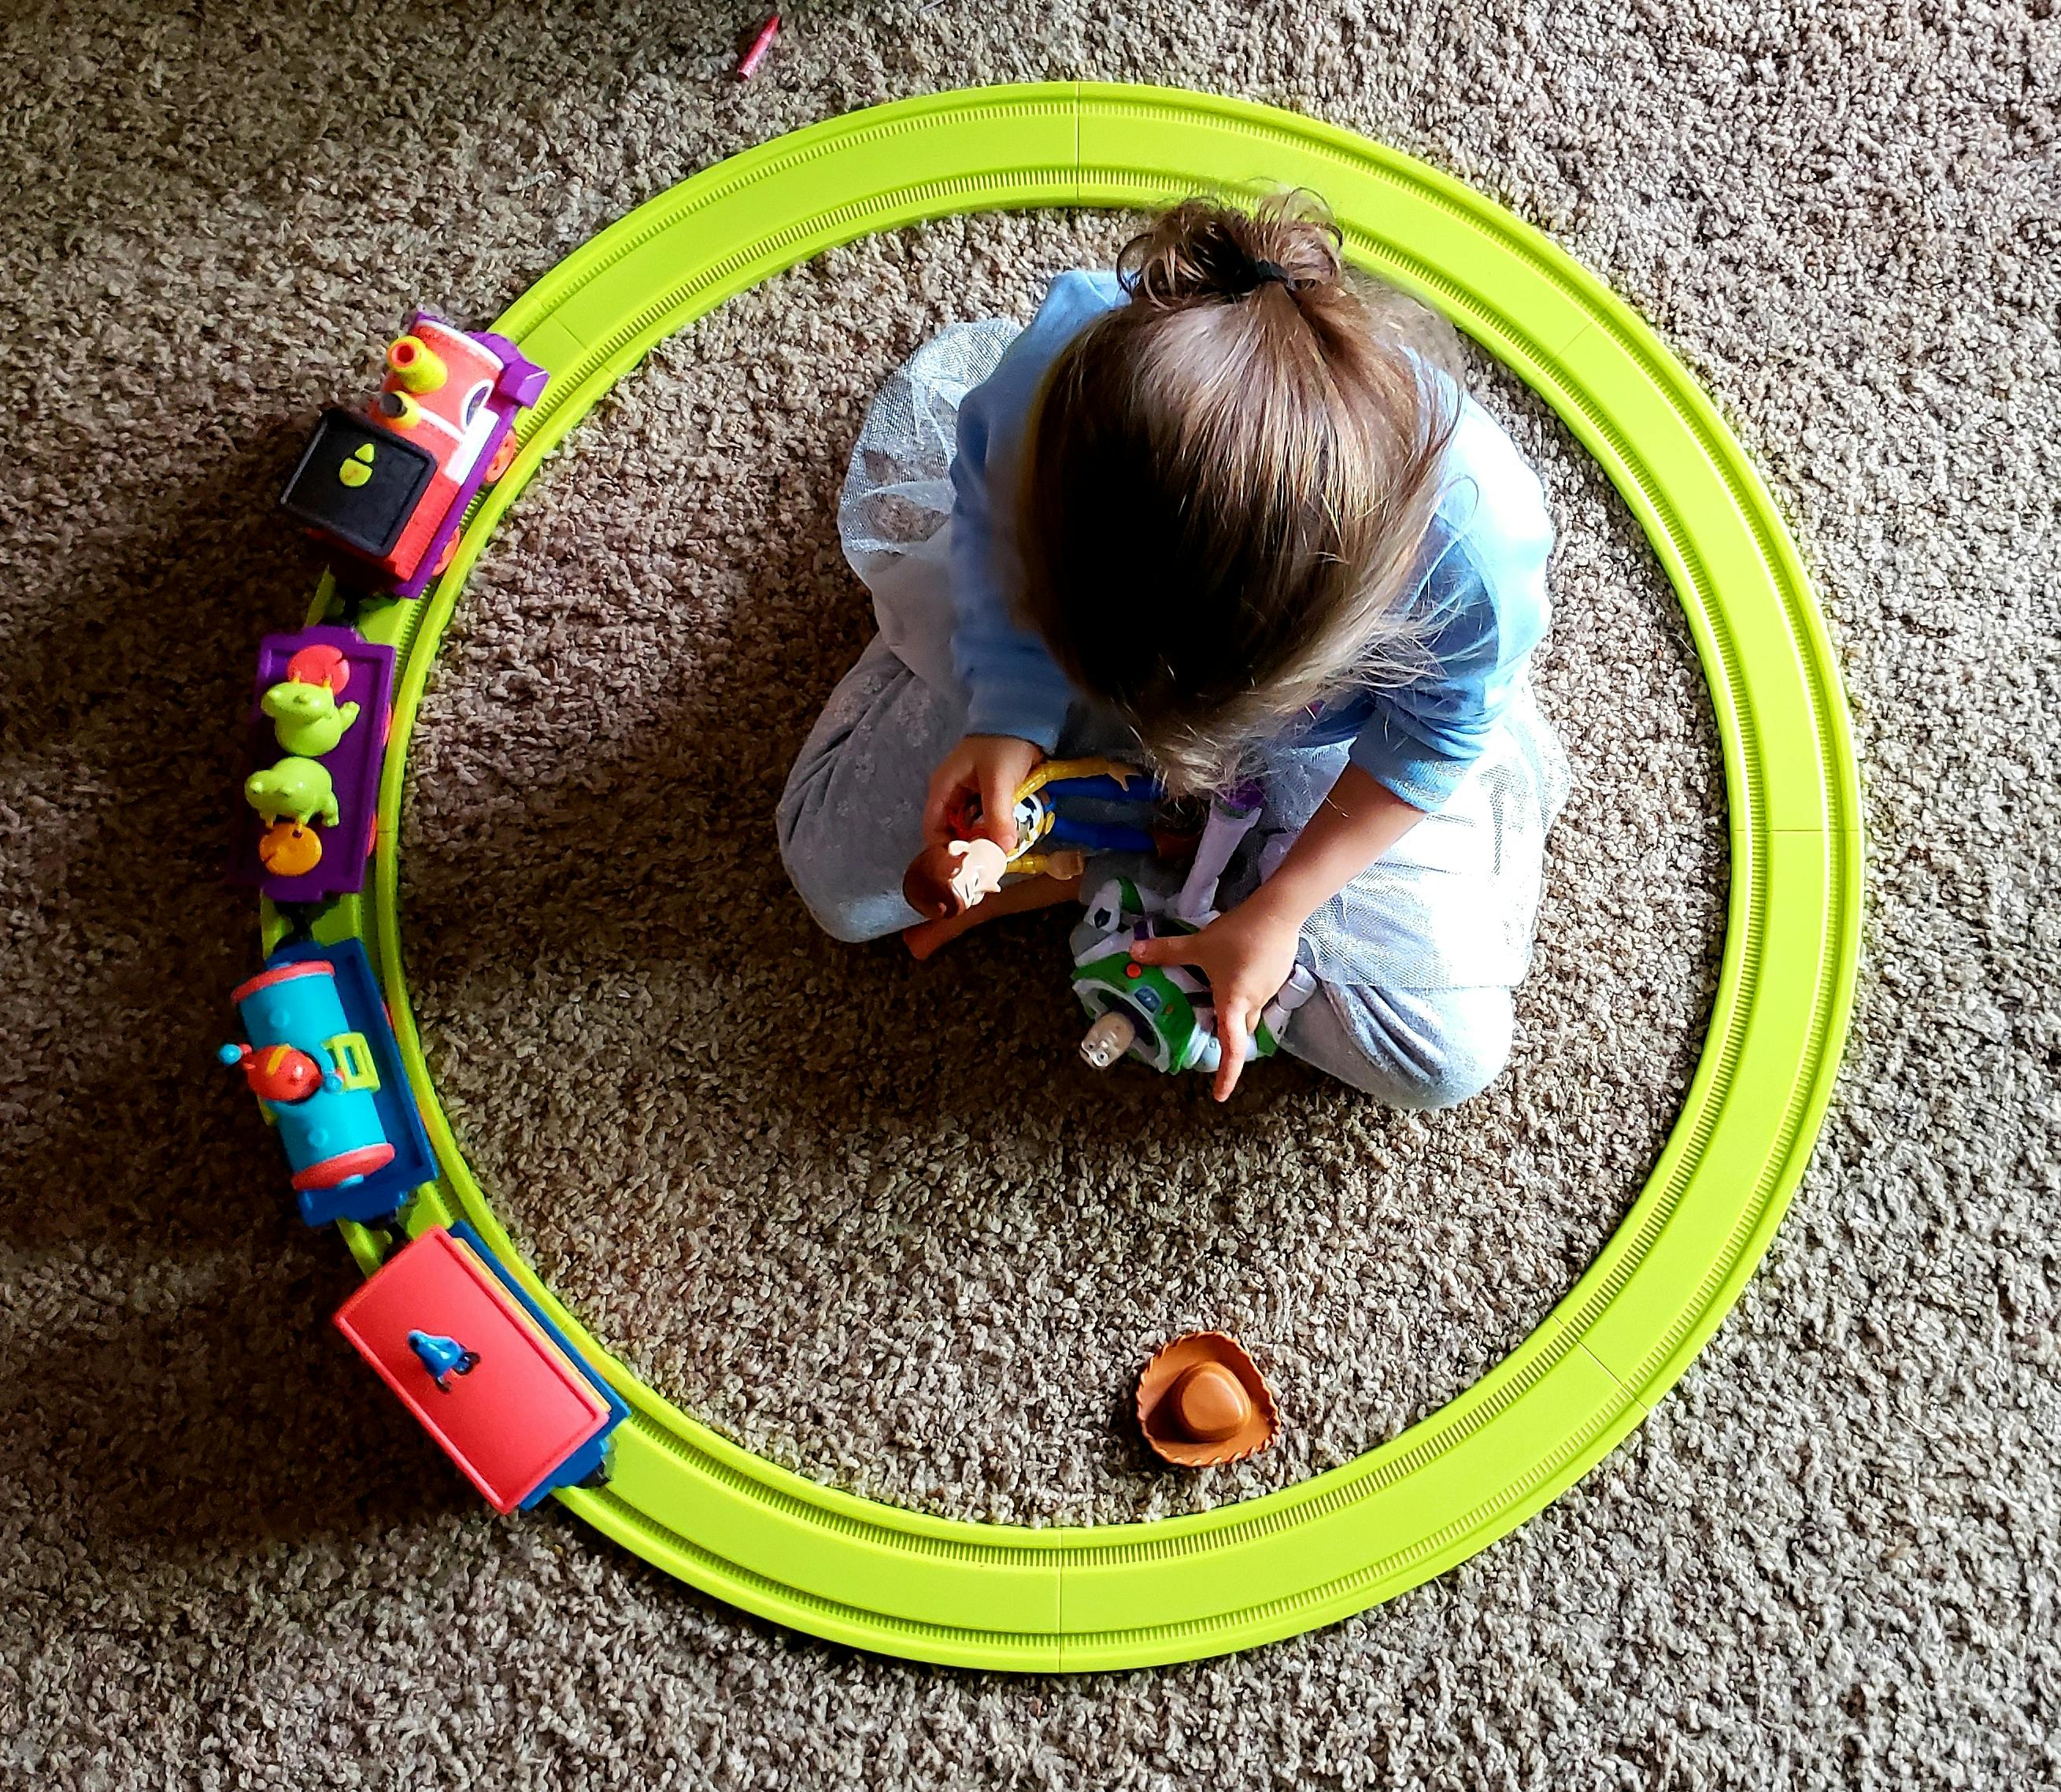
{"x": 1485, "y": 602}
{"x": 1013, "y": 685}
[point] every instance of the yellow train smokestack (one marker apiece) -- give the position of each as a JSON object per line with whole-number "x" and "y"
{"x": 399, "y": 409}
{"x": 415, "y": 365}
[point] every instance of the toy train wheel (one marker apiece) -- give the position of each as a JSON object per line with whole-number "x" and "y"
{"x": 444, "y": 557}
{"x": 504, "y": 457}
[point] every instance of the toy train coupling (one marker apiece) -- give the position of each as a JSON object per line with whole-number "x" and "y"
{"x": 299, "y": 920}
{"x": 348, "y": 597}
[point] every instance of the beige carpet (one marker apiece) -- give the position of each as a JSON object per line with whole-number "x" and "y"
{"x": 872, "y": 1219}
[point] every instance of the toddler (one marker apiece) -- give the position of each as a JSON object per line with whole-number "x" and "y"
{"x": 1228, "y": 512}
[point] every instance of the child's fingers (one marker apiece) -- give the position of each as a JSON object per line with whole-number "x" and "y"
{"x": 997, "y": 806}
{"x": 1175, "y": 948}
{"x": 950, "y": 785}
{"x": 1230, "y": 1046}
{"x": 944, "y": 781}
{"x": 1235, "y": 1040}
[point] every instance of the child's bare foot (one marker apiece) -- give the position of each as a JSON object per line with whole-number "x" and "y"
{"x": 926, "y": 937}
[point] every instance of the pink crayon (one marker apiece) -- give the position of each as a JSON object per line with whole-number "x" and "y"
{"x": 748, "y": 65}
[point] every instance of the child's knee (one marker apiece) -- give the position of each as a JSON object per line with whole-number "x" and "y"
{"x": 840, "y": 895}
{"x": 852, "y": 917}
{"x": 1465, "y": 1044}
{"x": 855, "y": 922}
{"x": 1414, "y": 1049}
{"x": 843, "y": 917}
{"x": 850, "y": 816}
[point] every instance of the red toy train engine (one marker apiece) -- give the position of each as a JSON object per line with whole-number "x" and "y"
{"x": 389, "y": 486}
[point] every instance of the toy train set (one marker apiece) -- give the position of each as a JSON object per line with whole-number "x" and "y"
{"x": 442, "y": 1321}
{"x": 1158, "y": 1591}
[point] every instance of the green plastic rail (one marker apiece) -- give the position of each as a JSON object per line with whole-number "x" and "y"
{"x": 1127, "y": 1595}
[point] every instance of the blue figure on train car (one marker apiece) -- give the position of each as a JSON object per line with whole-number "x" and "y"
{"x": 443, "y": 1356}
{"x": 313, "y": 1073}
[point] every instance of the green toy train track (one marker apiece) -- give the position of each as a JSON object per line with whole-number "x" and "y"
{"x": 1127, "y": 1595}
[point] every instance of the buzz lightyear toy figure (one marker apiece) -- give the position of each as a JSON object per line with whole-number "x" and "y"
{"x": 1160, "y": 1015}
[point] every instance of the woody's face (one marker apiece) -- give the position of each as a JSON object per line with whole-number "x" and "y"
{"x": 975, "y": 874}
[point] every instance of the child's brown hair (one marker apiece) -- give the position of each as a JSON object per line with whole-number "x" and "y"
{"x": 1227, "y": 482}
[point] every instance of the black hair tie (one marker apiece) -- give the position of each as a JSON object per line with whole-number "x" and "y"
{"x": 1263, "y": 271}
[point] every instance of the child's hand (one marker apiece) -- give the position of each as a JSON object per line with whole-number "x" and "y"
{"x": 1247, "y": 955}
{"x": 992, "y": 766}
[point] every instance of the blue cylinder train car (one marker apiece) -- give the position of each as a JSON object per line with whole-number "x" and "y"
{"x": 313, "y": 1073}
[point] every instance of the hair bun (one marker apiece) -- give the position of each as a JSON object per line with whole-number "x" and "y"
{"x": 1211, "y": 249}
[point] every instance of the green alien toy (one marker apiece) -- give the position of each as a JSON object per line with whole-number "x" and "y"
{"x": 298, "y": 788}
{"x": 306, "y": 717}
